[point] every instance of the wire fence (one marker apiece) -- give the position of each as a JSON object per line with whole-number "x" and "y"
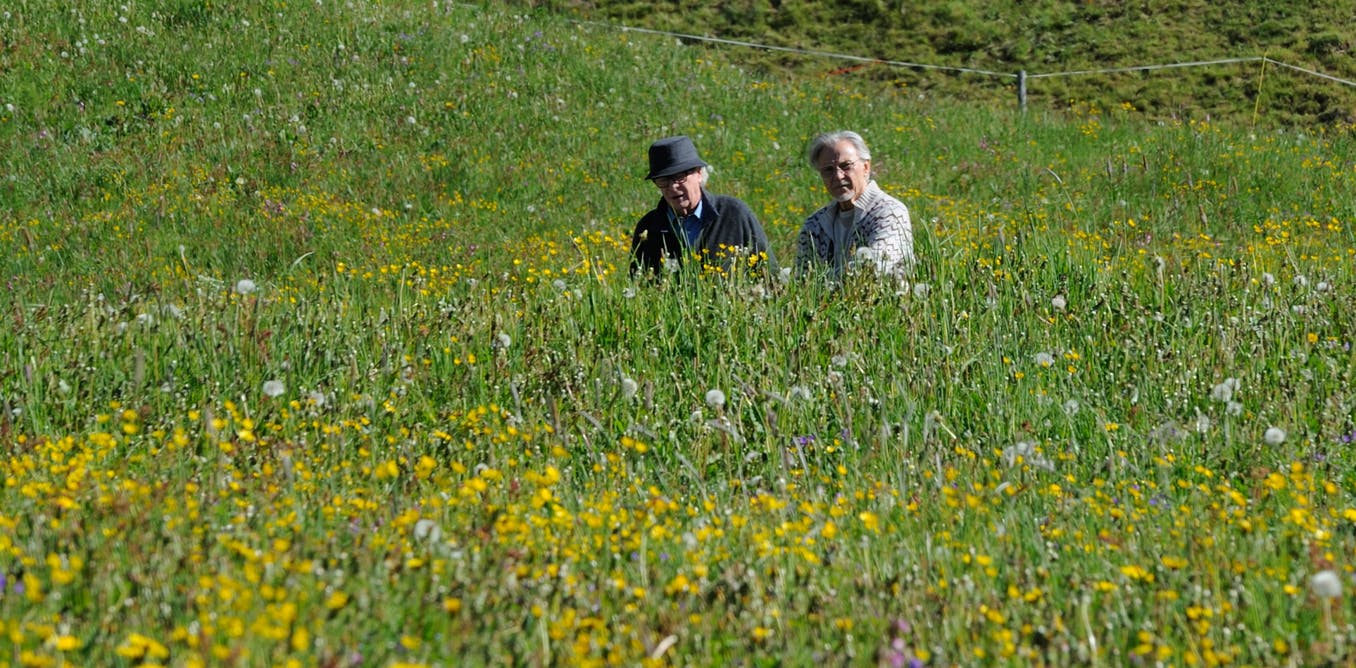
{"x": 1021, "y": 77}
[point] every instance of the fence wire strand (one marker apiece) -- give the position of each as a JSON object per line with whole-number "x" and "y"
{"x": 965, "y": 70}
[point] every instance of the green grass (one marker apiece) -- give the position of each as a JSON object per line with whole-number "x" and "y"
{"x": 1000, "y": 39}
{"x": 488, "y": 445}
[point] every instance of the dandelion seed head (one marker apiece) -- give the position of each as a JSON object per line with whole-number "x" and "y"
{"x": 1045, "y": 359}
{"x": 274, "y": 388}
{"x": 245, "y": 286}
{"x": 715, "y": 398}
{"x": 502, "y": 340}
{"x": 1224, "y": 392}
{"x": 629, "y": 387}
{"x": 1058, "y": 302}
{"x": 1274, "y": 436}
{"x": 427, "y": 529}
{"x": 1326, "y": 584}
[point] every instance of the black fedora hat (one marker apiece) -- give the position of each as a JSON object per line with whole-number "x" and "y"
{"x": 673, "y": 155}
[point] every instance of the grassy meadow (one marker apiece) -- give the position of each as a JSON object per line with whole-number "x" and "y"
{"x": 320, "y": 349}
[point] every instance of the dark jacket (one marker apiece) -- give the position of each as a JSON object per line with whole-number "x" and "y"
{"x": 729, "y": 228}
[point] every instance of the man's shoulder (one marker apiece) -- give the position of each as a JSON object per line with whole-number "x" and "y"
{"x": 653, "y": 218}
{"x": 728, "y": 204}
{"x": 880, "y": 200}
{"x": 820, "y": 217}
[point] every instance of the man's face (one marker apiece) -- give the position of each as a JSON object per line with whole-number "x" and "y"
{"x": 844, "y": 172}
{"x": 682, "y": 192}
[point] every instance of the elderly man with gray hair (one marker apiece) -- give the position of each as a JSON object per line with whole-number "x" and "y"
{"x": 718, "y": 231}
{"x": 863, "y": 226}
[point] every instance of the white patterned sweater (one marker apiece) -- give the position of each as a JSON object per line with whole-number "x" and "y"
{"x": 877, "y": 234}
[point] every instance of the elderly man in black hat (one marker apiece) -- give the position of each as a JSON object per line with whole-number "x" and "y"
{"x": 719, "y": 230}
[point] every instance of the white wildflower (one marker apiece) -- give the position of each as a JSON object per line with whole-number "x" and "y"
{"x": 1274, "y": 436}
{"x": 715, "y": 398}
{"x": 1326, "y": 584}
{"x": 1224, "y": 392}
{"x": 245, "y": 286}
{"x": 427, "y": 529}
{"x": 629, "y": 387}
{"x": 274, "y": 388}
{"x": 1202, "y": 422}
{"x": 502, "y": 340}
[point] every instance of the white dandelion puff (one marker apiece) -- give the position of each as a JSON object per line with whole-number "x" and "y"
{"x": 502, "y": 340}
{"x": 629, "y": 387}
{"x": 1045, "y": 359}
{"x": 800, "y": 393}
{"x": 1058, "y": 302}
{"x": 427, "y": 529}
{"x": 1202, "y": 422}
{"x": 1224, "y": 392}
{"x": 1326, "y": 584}
{"x": 1071, "y": 407}
{"x": 274, "y": 388}
{"x": 1274, "y": 436}
{"x": 715, "y": 398}
{"x": 245, "y": 286}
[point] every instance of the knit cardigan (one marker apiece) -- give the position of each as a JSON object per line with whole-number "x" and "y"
{"x": 881, "y": 235}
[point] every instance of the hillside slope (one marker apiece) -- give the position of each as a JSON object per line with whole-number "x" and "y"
{"x": 1048, "y": 37}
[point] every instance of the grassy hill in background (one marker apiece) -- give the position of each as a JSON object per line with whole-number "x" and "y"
{"x": 1046, "y": 37}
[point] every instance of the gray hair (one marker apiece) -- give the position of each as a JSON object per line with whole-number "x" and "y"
{"x": 827, "y": 139}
